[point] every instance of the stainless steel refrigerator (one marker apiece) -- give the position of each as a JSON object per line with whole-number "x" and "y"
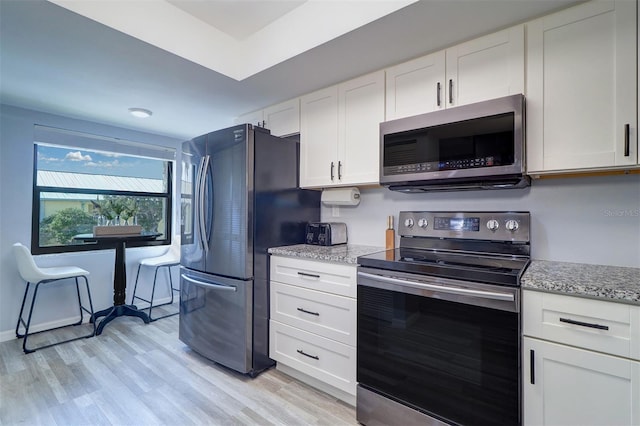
{"x": 239, "y": 196}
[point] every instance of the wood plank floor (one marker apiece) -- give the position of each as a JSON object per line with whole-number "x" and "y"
{"x": 137, "y": 374}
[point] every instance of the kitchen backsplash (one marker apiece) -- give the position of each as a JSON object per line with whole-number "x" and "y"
{"x": 586, "y": 220}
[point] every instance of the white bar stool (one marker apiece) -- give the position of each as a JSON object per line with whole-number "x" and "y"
{"x": 167, "y": 260}
{"x": 32, "y": 274}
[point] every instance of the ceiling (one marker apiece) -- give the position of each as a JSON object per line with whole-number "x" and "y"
{"x": 237, "y": 38}
{"x": 58, "y": 61}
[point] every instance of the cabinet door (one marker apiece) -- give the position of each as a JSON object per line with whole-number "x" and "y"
{"x": 415, "y": 87}
{"x": 256, "y": 118}
{"x": 581, "y": 88}
{"x": 485, "y": 68}
{"x": 361, "y": 110}
{"x": 568, "y": 386}
{"x": 319, "y": 138}
{"x": 284, "y": 118}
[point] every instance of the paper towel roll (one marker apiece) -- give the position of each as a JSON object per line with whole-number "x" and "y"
{"x": 341, "y": 197}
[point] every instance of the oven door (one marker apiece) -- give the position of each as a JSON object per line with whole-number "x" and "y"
{"x": 448, "y": 349}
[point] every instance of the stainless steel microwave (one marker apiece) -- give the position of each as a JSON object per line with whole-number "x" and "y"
{"x": 475, "y": 146}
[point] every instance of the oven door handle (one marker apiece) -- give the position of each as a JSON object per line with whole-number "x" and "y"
{"x": 441, "y": 288}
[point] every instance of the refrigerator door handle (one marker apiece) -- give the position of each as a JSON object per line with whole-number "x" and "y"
{"x": 209, "y": 285}
{"x": 198, "y": 201}
{"x": 202, "y": 201}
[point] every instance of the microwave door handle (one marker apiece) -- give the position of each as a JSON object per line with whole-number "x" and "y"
{"x": 441, "y": 288}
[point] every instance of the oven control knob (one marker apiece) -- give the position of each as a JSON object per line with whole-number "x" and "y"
{"x": 493, "y": 225}
{"x": 512, "y": 225}
{"x": 408, "y": 223}
{"x": 422, "y": 223}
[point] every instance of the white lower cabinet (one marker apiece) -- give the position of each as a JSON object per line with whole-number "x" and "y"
{"x": 580, "y": 361}
{"x": 567, "y": 386}
{"x": 312, "y": 327}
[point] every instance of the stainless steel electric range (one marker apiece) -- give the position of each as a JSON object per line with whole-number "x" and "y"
{"x": 439, "y": 321}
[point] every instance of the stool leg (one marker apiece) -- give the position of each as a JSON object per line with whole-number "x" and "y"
{"x": 170, "y": 283}
{"x": 79, "y": 303}
{"x": 86, "y": 282}
{"x": 153, "y": 290}
{"x": 26, "y": 331}
{"x": 135, "y": 286}
{"x": 27, "y": 325}
{"x": 24, "y": 299}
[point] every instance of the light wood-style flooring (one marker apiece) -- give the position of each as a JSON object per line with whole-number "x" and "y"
{"x": 137, "y": 374}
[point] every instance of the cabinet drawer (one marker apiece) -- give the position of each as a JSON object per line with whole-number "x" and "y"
{"x": 325, "y": 314}
{"x": 324, "y": 359}
{"x": 607, "y": 327}
{"x": 333, "y": 278}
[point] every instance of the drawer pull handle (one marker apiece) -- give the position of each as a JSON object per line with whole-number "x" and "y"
{"x": 304, "y": 274}
{"x": 584, "y": 324}
{"x": 309, "y": 312}
{"x": 301, "y": 352}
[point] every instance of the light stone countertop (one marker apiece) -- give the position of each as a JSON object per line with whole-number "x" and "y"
{"x": 342, "y": 253}
{"x": 609, "y": 283}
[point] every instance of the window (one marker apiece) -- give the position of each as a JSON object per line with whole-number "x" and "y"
{"x": 77, "y": 188}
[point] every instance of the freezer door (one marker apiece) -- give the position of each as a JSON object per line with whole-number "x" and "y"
{"x": 216, "y": 318}
{"x": 192, "y": 242}
{"x": 228, "y": 194}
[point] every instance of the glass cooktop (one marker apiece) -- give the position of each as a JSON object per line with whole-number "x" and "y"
{"x": 491, "y": 269}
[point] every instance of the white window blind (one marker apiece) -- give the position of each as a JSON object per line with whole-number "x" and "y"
{"x": 69, "y": 138}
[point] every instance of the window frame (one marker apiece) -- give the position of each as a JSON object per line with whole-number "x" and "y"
{"x": 35, "y": 211}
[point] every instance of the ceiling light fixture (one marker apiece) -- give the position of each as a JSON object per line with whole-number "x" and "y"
{"x": 140, "y": 112}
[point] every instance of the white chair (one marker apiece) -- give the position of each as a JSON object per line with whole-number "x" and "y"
{"x": 167, "y": 260}
{"x": 32, "y": 274}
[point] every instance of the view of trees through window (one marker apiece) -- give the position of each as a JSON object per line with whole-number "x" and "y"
{"x": 76, "y": 190}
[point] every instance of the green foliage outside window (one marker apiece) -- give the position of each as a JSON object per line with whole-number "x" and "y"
{"x": 61, "y": 227}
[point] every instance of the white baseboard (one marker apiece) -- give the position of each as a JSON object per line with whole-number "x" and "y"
{"x": 11, "y": 334}
{"x": 318, "y": 384}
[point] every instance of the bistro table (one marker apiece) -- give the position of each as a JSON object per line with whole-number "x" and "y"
{"x": 119, "y": 308}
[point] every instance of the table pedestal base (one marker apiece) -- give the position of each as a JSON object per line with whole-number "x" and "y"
{"x": 113, "y": 312}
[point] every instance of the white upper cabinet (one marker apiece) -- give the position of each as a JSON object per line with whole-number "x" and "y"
{"x": 360, "y": 112}
{"x": 339, "y": 133}
{"x": 318, "y": 137}
{"x": 485, "y": 68}
{"x": 582, "y": 88}
{"x": 282, "y": 119}
{"x": 415, "y": 87}
{"x": 255, "y": 118}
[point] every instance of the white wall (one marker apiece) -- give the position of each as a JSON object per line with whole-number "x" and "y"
{"x": 586, "y": 220}
{"x": 16, "y": 177}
